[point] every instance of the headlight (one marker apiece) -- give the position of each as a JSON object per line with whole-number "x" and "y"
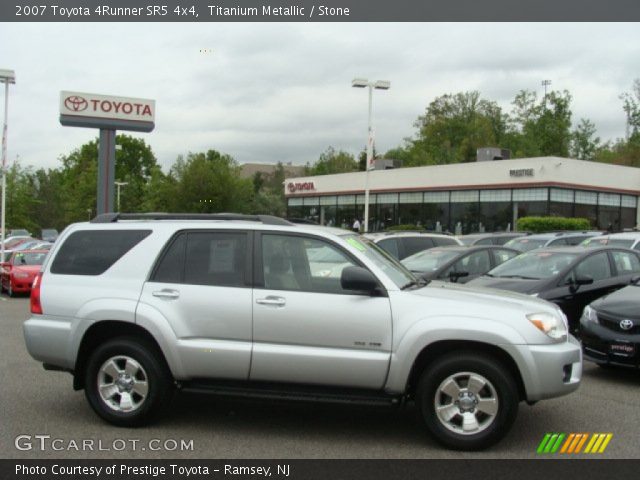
{"x": 549, "y": 324}
{"x": 590, "y": 315}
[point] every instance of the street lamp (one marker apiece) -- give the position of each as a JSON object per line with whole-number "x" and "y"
{"x": 6, "y": 77}
{"x": 378, "y": 85}
{"x": 118, "y": 185}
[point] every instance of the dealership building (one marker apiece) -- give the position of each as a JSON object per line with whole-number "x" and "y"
{"x": 470, "y": 197}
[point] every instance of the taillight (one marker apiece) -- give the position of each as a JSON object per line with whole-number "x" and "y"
{"x": 36, "y": 307}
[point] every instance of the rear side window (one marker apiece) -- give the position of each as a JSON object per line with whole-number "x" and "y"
{"x": 92, "y": 252}
{"x": 444, "y": 241}
{"x": 389, "y": 245}
{"x": 205, "y": 258}
{"x": 416, "y": 244}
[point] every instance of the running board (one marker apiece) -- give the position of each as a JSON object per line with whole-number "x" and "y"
{"x": 294, "y": 393}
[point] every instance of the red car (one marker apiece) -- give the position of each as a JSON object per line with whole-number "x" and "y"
{"x": 20, "y": 270}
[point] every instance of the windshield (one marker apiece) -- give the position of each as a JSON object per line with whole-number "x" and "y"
{"x": 385, "y": 262}
{"x": 525, "y": 244}
{"x": 429, "y": 260}
{"x": 534, "y": 265}
{"x": 21, "y": 258}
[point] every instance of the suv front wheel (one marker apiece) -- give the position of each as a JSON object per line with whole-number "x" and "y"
{"x": 126, "y": 382}
{"x": 468, "y": 401}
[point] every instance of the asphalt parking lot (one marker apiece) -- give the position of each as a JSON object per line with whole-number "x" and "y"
{"x": 34, "y": 402}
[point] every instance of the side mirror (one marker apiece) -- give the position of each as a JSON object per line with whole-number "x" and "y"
{"x": 358, "y": 279}
{"x": 583, "y": 280}
{"x": 455, "y": 276}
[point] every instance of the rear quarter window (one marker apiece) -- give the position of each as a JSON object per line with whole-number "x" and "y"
{"x": 93, "y": 252}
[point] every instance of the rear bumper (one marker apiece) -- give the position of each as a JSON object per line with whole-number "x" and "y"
{"x": 49, "y": 341}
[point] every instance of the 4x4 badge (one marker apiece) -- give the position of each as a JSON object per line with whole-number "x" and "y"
{"x": 626, "y": 324}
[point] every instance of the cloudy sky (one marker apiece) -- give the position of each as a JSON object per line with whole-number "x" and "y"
{"x": 281, "y": 92}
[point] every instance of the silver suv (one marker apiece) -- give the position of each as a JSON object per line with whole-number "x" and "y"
{"x": 138, "y": 305}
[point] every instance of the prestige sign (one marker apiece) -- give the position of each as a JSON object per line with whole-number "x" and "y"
{"x": 80, "y": 109}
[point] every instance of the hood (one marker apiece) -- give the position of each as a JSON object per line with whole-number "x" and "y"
{"x": 470, "y": 295}
{"x": 519, "y": 285}
{"x": 622, "y": 303}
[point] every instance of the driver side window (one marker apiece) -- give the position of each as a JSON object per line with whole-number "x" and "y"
{"x": 596, "y": 267}
{"x": 302, "y": 264}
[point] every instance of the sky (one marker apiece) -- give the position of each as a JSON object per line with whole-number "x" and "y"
{"x": 282, "y": 92}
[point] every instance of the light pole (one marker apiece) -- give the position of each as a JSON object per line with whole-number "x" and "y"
{"x": 7, "y": 77}
{"x": 118, "y": 185}
{"x": 378, "y": 85}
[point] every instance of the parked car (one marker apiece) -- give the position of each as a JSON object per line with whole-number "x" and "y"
{"x": 570, "y": 277}
{"x": 610, "y": 328}
{"x": 497, "y": 238}
{"x": 19, "y": 232}
{"x": 49, "y": 234}
{"x": 531, "y": 242}
{"x": 624, "y": 240}
{"x": 457, "y": 264}
{"x": 400, "y": 245}
{"x": 135, "y": 305}
{"x": 20, "y": 270}
{"x": 12, "y": 243}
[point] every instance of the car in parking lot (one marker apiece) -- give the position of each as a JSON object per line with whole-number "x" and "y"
{"x": 17, "y": 274}
{"x": 540, "y": 240}
{"x": 570, "y": 277}
{"x": 610, "y": 328}
{"x": 496, "y": 238}
{"x": 458, "y": 264}
{"x": 623, "y": 239}
{"x": 135, "y": 305}
{"x": 400, "y": 245}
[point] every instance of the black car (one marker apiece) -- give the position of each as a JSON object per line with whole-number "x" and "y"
{"x": 458, "y": 264}
{"x": 570, "y": 277}
{"x": 610, "y": 328}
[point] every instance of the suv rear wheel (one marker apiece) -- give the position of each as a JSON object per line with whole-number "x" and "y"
{"x": 468, "y": 401}
{"x": 126, "y": 382}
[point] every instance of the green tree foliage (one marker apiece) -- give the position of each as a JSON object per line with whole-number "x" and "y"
{"x": 540, "y": 128}
{"x": 20, "y": 201}
{"x": 332, "y": 161}
{"x": 452, "y": 128}
{"x": 209, "y": 183}
{"x": 269, "y": 192}
{"x": 584, "y": 143}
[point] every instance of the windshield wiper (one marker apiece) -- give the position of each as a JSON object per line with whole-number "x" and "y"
{"x": 421, "y": 282}
{"x": 520, "y": 276}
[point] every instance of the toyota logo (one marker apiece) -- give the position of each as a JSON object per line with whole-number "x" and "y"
{"x": 626, "y": 324}
{"x": 75, "y": 103}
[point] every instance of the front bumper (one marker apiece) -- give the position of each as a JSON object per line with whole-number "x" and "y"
{"x": 597, "y": 341}
{"x": 549, "y": 371}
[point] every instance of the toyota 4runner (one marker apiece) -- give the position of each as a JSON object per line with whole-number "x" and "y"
{"x": 136, "y": 306}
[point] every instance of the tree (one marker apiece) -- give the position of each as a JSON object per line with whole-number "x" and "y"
{"x": 452, "y": 128}
{"x": 540, "y": 128}
{"x": 631, "y": 106}
{"x": 210, "y": 182}
{"x": 332, "y": 161}
{"x": 269, "y": 192}
{"x": 584, "y": 144}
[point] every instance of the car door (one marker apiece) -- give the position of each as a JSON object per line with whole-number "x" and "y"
{"x": 306, "y": 328}
{"x": 202, "y": 286}
{"x": 571, "y": 297}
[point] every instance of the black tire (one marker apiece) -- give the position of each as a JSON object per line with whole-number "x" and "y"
{"x": 158, "y": 379}
{"x": 501, "y": 386}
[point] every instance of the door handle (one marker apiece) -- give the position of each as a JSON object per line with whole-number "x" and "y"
{"x": 166, "y": 293}
{"x": 270, "y": 300}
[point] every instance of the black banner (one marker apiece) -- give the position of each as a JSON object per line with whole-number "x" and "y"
{"x": 320, "y": 11}
{"x": 318, "y": 469}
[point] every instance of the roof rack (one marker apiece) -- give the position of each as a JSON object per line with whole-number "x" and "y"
{"x": 114, "y": 217}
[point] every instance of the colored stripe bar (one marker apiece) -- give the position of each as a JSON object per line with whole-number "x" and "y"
{"x": 568, "y": 442}
{"x": 558, "y": 443}
{"x": 582, "y": 441}
{"x": 606, "y": 442}
{"x": 543, "y": 443}
{"x": 550, "y": 443}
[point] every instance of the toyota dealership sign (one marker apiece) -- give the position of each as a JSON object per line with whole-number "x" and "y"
{"x": 103, "y": 111}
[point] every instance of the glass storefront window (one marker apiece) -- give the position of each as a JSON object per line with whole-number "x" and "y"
{"x": 495, "y": 210}
{"x": 436, "y": 209}
{"x": 465, "y": 211}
